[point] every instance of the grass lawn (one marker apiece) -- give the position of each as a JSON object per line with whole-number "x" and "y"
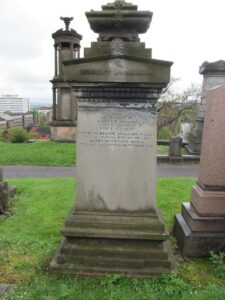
{"x": 164, "y": 150}
{"x": 38, "y": 154}
{"x": 47, "y": 153}
{"x": 30, "y": 237}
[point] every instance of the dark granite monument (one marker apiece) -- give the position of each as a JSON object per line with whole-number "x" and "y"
{"x": 200, "y": 227}
{"x": 116, "y": 226}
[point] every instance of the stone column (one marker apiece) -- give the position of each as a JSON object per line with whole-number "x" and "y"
{"x": 60, "y": 60}
{"x": 71, "y": 50}
{"x": 1, "y": 174}
{"x": 54, "y": 104}
{"x": 78, "y": 52}
{"x": 201, "y": 226}
{"x": 56, "y": 59}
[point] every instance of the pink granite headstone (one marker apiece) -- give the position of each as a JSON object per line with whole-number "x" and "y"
{"x": 201, "y": 225}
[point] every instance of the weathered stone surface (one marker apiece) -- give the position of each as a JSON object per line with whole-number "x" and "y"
{"x": 118, "y": 68}
{"x": 5, "y": 288}
{"x": 117, "y": 143}
{"x": 63, "y": 133}
{"x": 116, "y": 90}
{"x": 175, "y": 148}
{"x": 4, "y": 197}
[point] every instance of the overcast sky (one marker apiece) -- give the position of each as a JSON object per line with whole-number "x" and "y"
{"x": 187, "y": 32}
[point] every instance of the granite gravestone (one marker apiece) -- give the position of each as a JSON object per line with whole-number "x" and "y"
{"x": 200, "y": 228}
{"x": 116, "y": 226}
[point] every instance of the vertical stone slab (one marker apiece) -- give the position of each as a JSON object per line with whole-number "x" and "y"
{"x": 213, "y": 76}
{"x": 1, "y": 174}
{"x": 204, "y": 217}
{"x": 116, "y": 162}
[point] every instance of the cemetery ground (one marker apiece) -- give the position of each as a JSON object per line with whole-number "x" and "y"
{"x": 29, "y": 238}
{"x": 37, "y": 154}
{"x": 45, "y": 153}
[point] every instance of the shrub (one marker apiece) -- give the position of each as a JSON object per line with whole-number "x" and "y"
{"x": 18, "y": 135}
{"x": 218, "y": 263}
{"x": 4, "y": 134}
{"x": 164, "y": 133}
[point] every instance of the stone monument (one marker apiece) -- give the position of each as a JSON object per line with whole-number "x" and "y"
{"x": 4, "y": 195}
{"x": 175, "y": 149}
{"x": 201, "y": 225}
{"x": 213, "y": 75}
{"x": 116, "y": 226}
{"x": 64, "y": 117}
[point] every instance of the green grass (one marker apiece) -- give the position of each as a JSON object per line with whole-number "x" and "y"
{"x": 30, "y": 237}
{"x": 38, "y": 154}
{"x": 164, "y": 150}
{"x": 47, "y": 153}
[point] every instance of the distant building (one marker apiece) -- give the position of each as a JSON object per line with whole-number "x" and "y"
{"x": 14, "y": 104}
{"x": 16, "y": 120}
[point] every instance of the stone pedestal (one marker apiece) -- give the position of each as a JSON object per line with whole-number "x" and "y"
{"x": 201, "y": 225}
{"x": 116, "y": 226}
{"x": 63, "y": 132}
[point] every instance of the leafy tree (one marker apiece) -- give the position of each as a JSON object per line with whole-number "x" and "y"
{"x": 175, "y": 108}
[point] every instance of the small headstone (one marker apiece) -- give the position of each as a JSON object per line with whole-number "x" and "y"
{"x": 175, "y": 148}
{"x": 5, "y": 288}
{"x": 4, "y": 198}
{"x": 6, "y": 191}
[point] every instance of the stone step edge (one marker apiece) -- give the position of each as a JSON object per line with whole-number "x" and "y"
{"x": 117, "y": 234}
{"x": 153, "y": 226}
{"x": 114, "y": 249}
{"x": 101, "y": 272}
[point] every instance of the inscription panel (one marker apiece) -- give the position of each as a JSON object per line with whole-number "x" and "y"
{"x": 116, "y": 157}
{"x": 117, "y": 130}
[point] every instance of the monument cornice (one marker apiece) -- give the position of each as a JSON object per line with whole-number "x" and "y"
{"x": 121, "y": 56}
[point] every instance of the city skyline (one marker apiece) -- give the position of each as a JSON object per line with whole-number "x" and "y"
{"x": 185, "y": 32}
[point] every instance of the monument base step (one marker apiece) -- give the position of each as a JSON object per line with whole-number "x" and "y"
{"x": 196, "y": 244}
{"x": 97, "y": 244}
{"x": 201, "y": 223}
{"x": 115, "y": 225}
{"x": 66, "y": 261}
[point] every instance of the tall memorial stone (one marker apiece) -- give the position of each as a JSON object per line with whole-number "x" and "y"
{"x": 200, "y": 227}
{"x": 64, "y": 117}
{"x": 116, "y": 226}
{"x": 213, "y": 76}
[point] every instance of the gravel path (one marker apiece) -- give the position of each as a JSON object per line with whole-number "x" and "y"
{"x": 163, "y": 170}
